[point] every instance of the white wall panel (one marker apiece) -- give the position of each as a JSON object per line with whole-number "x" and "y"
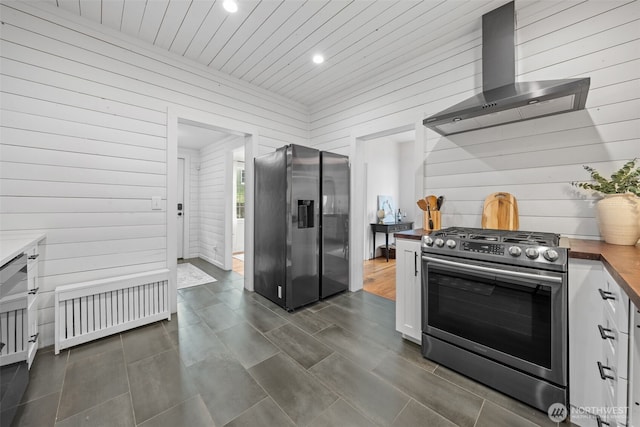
{"x": 536, "y": 160}
{"x": 72, "y": 205}
{"x": 99, "y": 234}
{"x": 30, "y": 171}
{"x": 42, "y": 138}
{"x": 84, "y": 147}
{"x": 212, "y": 192}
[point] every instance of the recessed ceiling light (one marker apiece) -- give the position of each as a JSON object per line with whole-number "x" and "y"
{"x": 318, "y": 59}
{"x": 230, "y": 6}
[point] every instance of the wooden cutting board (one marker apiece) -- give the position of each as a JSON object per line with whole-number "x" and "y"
{"x": 500, "y": 212}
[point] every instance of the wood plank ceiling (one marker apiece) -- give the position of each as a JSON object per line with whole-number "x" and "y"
{"x": 270, "y": 43}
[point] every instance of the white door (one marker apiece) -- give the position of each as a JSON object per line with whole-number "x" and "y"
{"x": 180, "y": 210}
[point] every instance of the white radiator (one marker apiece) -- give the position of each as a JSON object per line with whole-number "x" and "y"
{"x": 92, "y": 310}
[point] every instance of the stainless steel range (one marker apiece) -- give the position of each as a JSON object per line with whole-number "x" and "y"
{"x": 494, "y": 308}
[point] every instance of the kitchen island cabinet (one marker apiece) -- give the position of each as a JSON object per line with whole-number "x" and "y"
{"x": 19, "y": 306}
{"x": 18, "y": 318}
{"x": 620, "y": 267}
{"x": 603, "y": 348}
{"x": 634, "y": 369}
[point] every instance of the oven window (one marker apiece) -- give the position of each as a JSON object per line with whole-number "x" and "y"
{"x": 498, "y": 314}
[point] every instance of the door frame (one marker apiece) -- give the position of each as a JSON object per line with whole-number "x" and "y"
{"x": 358, "y": 226}
{"x": 251, "y": 137}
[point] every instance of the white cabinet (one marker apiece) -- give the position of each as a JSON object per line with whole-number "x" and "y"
{"x": 634, "y": 368}
{"x": 408, "y": 289}
{"x": 33, "y": 292}
{"x": 19, "y": 310}
{"x": 584, "y": 343}
{"x": 598, "y": 346}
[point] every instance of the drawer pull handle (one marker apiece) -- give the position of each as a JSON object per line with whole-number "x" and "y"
{"x": 603, "y": 375}
{"x": 600, "y": 422}
{"x": 604, "y": 333}
{"x": 34, "y": 256}
{"x": 33, "y": 291}
{"x": 606, "y": 294}
{"x": 415, "y": 263}
{"x": 34, "y": 338}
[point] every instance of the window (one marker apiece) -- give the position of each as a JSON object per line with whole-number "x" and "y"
{"x": 240, "y": 190}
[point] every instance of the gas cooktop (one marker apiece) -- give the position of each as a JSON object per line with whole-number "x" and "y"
{"x": 526, "y": 248}
{"x": 522, "y": 237}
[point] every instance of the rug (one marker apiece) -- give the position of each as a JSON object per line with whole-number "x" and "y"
{"x": 190, "y": 275}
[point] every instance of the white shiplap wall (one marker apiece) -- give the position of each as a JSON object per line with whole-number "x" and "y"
{"x": 535, "y": 160}
{"x": 83, "y": 142}
{"x": 382, "y": 158}
{"x": 214, "y": 162}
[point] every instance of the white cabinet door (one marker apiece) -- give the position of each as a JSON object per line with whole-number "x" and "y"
{"x": 585, "y": 344}
{"x": 634, "y": 368}
{"x": 408, "y": 289}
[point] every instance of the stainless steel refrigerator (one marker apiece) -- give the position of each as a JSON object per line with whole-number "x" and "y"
{"x": 288, "y": 262}
{"x": 334, "y": 223}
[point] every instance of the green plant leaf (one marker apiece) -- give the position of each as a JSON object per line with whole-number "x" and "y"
{"x": 624, "y": 180}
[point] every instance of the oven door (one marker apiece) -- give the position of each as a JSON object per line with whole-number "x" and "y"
{"x": 512, "y": 315}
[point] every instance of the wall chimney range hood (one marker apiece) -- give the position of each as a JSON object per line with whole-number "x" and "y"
{"x": 503, "y": 100}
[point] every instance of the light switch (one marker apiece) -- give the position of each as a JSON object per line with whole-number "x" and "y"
{"x": 155, "y": 203}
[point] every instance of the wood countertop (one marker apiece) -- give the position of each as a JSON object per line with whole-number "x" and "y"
{"x": 622, "y": 262}
{"x": 415, "y": 234}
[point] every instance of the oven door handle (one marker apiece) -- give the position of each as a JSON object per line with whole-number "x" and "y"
{"x": 497, "y": 271}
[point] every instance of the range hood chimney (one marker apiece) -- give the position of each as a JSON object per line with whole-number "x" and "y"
{"x": 503, "y": 100}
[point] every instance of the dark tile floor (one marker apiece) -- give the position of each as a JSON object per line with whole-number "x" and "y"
{"x": 233, "y": 358}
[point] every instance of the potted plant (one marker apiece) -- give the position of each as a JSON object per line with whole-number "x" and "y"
{"x": 618, "y": 212}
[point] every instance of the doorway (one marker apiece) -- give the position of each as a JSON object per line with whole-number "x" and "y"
{"x": 215, "y": 205}
{"x": 385, "y": 189}
{"x": 409, "y": 184}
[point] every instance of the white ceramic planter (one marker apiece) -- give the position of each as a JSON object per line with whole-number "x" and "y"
{"x": 619, "y": 218}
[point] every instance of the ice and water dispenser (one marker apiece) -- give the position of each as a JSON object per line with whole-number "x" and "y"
{"x": 305, "y": 213}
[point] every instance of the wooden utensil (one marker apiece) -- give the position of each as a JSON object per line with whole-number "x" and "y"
{"x": 422, "y": 204}
{"x": 432, "y": 201}
{"x": 500, "y": 212}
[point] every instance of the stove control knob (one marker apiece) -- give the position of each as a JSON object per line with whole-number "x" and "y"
{"x": 531, "y": 253}
{"x": 515, "y": 251}
{"x": 550, "y": 255}
{"x": 439, "y": 242}
{"x": 428, "y": 241}
{"x": 451, "y": 243}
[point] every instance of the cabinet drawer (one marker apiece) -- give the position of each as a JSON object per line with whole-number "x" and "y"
{"x": 399, "y": 227}
{"x": 616, "y": 409}
{"x": 615, "y": 346}
{"x": 32, "y": 337}
{"x": 32, "y": 288}
{"x": 616, "y": 301}
{"x": 32, "y": 255}
{"x": 614, "y": 391}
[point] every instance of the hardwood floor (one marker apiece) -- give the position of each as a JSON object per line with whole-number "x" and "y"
{"x": 238, "y": 266}
{"x": 380, "y": 277}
